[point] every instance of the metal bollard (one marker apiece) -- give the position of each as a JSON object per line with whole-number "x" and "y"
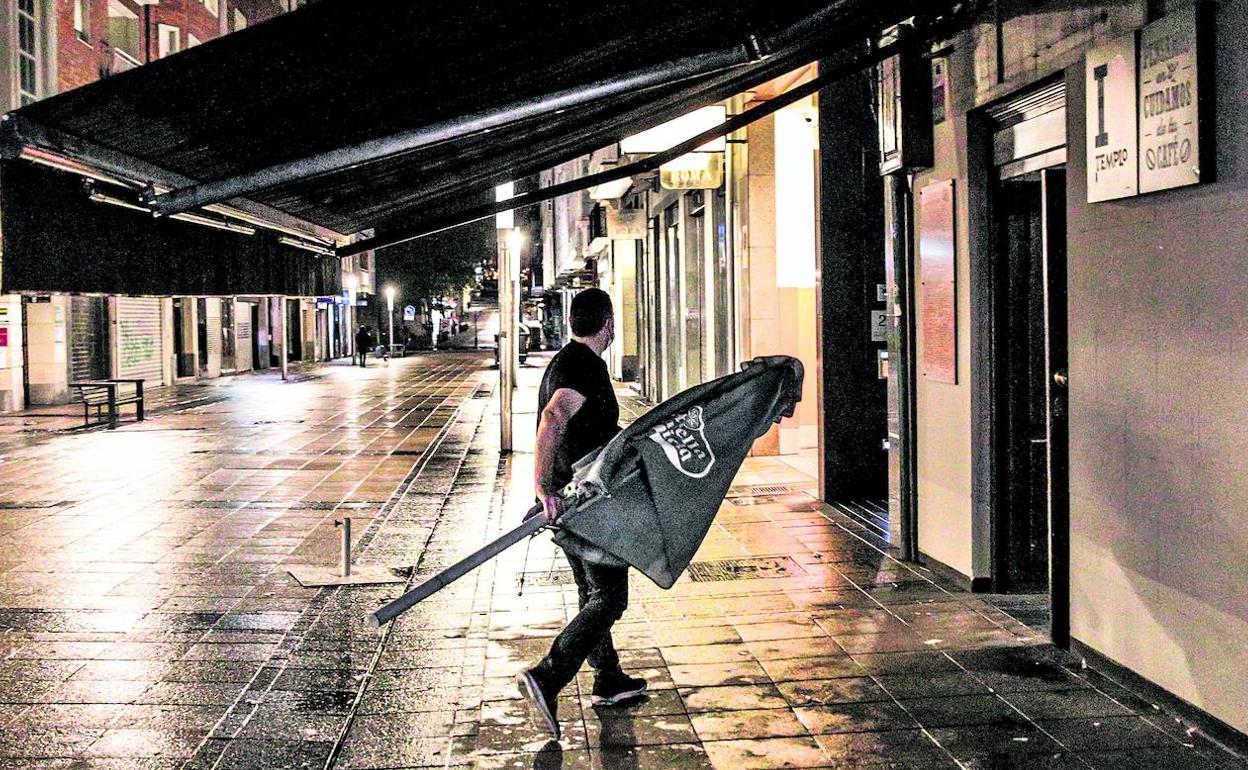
{"x": 345, "y": 523}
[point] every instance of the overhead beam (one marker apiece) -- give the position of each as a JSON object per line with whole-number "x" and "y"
{"x": 18, "y": 133}
{"x": 702, "y": 65}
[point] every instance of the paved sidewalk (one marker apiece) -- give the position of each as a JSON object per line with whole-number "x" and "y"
{"x": 147, "y": 621}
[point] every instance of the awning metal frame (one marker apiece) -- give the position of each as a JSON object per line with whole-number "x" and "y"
{"x": 193, "y": 196}
{"x": 870, "y": 53}
{"x": 19, "y": 134}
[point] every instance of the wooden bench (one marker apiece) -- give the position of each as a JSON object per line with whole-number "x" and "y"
{"x": 108, "y": 394}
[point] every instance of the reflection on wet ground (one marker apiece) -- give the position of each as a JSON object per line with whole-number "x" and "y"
{"x": 148, "y": 621}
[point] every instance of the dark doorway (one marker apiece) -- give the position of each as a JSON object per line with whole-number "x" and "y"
{"x": 294, "y": 330}
{"x": 255, "y": 335}
{"x": 89, "y": 343}
{"x": 183, "y": 342}
{"x": 1031, "y": 520}
{"x": 201, "y": 316}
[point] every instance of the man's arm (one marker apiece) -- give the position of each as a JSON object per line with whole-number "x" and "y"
{"x": 550, "y": 433}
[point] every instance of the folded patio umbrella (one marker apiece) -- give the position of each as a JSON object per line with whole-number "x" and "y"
{"x": 647, "y": 498}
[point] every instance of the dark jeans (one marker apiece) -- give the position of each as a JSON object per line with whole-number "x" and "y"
{"x": 603, "y": 594}
{"x": 361, "y": 354}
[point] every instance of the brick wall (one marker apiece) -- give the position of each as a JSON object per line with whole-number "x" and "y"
{"x": 82, "y": 61}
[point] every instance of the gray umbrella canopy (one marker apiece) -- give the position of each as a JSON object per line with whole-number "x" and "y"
{"x": 648, "y": 497}
{"x": 652, "y": 492}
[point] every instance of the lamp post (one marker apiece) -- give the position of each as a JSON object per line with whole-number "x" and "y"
{"x": 390, "y": 304}
{"x": 508, "y": 278}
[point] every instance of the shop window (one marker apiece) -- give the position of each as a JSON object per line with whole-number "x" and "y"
{"x": 30, "y": 52}
{"x": 169, "y": 39}
{"x": 124, "y": 32}
{"x": 82, "y": 19}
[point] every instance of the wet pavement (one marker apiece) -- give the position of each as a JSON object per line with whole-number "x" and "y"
{"x": 147, "y": 619}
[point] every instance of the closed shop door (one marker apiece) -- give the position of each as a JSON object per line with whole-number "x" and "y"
{"x": 243, "y": 334}
{"x": 139, "y": 339}
{"x": 212, "y": 328}
{"x": 88, "y": 338}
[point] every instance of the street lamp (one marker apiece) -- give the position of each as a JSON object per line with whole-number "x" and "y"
{"x": 390, "y": 302}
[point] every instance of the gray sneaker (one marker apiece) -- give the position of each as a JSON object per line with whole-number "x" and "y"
{"x": 542, "y": 699}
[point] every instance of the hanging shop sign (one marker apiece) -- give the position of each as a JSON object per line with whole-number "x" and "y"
{"x": 626, "y": 224}
{"x": 1145, "y": 112}
{"x": 1111, "y": 131}
{"x": 1170, "y": 104}
{"x": 693, "y": 171}
{"x": 904, "y": 90}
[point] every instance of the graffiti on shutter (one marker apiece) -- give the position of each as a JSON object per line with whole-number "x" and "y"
{"x": 139, "y": 338}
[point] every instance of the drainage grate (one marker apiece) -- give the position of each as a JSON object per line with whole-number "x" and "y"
{"x": 482, "y": 393}
{"x": 772, "y": 489}
{"x": 744, "y": 569}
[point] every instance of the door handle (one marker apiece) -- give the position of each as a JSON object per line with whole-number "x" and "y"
{"x": 1061, "y": 379}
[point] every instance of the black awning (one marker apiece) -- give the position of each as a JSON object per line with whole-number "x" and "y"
{"x": 341, "y": 73}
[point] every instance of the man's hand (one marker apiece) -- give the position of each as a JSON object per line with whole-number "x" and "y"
{"x": 552, "y": 506}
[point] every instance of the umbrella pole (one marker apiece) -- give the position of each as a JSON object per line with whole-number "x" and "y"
{"x": 455, "y": 571}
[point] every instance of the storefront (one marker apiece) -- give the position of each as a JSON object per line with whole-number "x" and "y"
{"x": 1075, "y": 258}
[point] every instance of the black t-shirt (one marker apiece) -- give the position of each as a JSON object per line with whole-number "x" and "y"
{"x": 578, "y": 368}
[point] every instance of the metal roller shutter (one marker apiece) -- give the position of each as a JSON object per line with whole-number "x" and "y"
{"x": 139, "y": 338}
{"x": 242, "y": 326}
{"x": 88, "y": 338}
{"x": 212, "y": 316}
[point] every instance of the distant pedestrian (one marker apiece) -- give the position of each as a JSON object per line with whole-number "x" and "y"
{"x": 577, "y": 413}
{"x": 435, "y": 317}
{"x": 363, "y": 341}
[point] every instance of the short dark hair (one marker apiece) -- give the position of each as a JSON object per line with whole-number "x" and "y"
{"x": 590, "y": 310}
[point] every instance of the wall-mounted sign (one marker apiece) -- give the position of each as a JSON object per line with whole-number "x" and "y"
{"x": 938, "y": 309}
{"x": 1170, "y": 147}
{"x": 4, "y": 337}
{"x": 1145, "y": 114}
{"x": 879, "y": 326}
{"x": 1111, "y": 126}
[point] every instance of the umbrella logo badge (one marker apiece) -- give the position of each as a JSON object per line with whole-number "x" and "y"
{"x": 683, "y": 439}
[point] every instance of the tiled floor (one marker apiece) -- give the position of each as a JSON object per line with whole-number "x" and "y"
{"x": 148, "y": 621}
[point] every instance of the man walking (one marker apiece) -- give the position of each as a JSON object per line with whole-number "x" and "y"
{"x": 577, "y": 413}
{"x": 363, "y": 341}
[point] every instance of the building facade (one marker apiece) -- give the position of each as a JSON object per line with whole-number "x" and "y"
{"x": 1011, "y": 262}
